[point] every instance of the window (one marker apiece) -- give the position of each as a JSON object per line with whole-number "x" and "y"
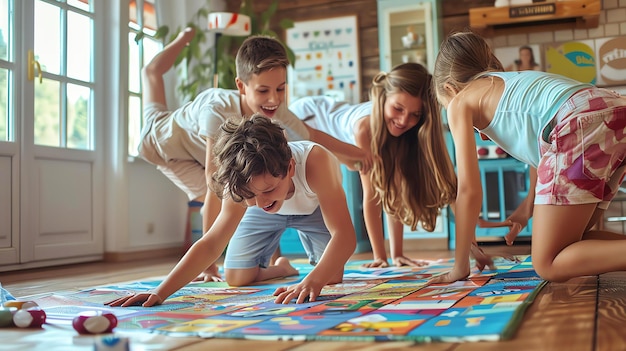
{"x": 64, "y": 51}
{"x": 142, "y": 18}
{"x": 7, "y": 67}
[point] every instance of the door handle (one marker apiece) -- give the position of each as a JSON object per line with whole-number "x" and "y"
{"x": 32, "y": 63}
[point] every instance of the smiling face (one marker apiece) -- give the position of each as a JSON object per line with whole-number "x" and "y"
{"x": 264, "y": 92}
{"x": 402, "y": 112}
{"x": 271, "y": 192}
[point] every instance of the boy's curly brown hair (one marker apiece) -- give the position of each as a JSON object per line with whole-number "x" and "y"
{"x": 246, "y": 148}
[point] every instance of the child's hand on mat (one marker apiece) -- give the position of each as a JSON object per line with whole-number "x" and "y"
{"x": 303, "y": 292}
{"x": 377, "y": 263}
{"x": 145, "y": 299}
{"x": 450, "y": 277}
{"x": 515, "y": 227}
{"x": 211, "y": 274}
{"x": 482, "y": 259}
{"x": 405, "y": 261}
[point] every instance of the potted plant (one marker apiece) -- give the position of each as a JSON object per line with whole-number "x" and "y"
{"x": 199, "y": 64}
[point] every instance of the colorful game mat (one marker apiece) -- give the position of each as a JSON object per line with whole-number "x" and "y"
{"x": 388, "y": 304}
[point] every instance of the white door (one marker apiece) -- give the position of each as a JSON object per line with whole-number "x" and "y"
{"x": 57, "y": 141}
{"x": 9, "y": 160}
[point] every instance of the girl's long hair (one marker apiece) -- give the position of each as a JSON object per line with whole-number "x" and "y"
{"x": 412, "y": 174}
{"x": 463, "y": 57}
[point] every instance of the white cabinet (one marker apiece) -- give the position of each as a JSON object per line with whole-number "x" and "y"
{"x": 408, "y": 31}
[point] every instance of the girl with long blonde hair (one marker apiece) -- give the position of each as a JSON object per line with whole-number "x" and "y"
{"x": 411, "y": 177}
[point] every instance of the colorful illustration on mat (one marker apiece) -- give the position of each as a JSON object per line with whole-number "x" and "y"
{"x": 573, "y": 59}
{"x": 611, "y": 53}
{"x": 327, "y": 59}
{"x": 400, "y": 306}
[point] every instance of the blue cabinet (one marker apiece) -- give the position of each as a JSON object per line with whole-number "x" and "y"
{"x": 505, "y": 183}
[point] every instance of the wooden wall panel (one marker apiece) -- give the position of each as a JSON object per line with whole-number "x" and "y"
{"x": 455, "y": 17}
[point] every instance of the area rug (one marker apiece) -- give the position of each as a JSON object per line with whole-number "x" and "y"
{"x": 391, "y": 304}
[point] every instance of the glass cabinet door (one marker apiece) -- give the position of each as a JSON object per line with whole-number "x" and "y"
{"x": 408, "y": 32}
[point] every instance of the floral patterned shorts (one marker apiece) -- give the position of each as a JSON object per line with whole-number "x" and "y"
{"x": 583, "y": 160}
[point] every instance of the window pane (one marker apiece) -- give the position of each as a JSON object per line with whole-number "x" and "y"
{"x": 81, "y": 4}
{"x": 132, "y": 14}
{"x": 151, "y": 47}
{"x": 47, "y": 37}
{"x": 78, "y": 107}
{"x": 134, "y": 65}
{"x": 149, "y": 17}
{"x": 5, "y": 118}
{"x": 47, "y": 111}
{"x": 79, "y": 44}
{"x": 5, "y": 30}
{"x": 134, "y": 124}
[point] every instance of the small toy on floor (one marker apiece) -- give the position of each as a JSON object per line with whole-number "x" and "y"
{"x": 21, "y": 305}
{"x": 6, "y": 316}
{"x": 94, "y": 322}
{"x": 33, "y": 317}
{"x": 111, "y": 343}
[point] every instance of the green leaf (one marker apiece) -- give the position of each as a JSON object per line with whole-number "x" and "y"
{"x": 270, "y": 33}
{"x": 286, "y": 23}
{"x": 265, "y": 21}
{"x": 195, "y": 49}
{"x": 138, "y": 37}
{"x": 188, "y": 54}
{"x": 203, "y": 12}
{"x": 272, "y": 9}
{"x": 247, "y": 8}
{"x": 161, "y": 32}
{"x": 291, "y": 55}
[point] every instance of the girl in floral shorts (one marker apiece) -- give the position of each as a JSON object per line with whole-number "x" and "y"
{"x": 571, "y": 134}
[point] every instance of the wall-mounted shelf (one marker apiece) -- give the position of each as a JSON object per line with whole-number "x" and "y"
{"x": 574, "y": 13}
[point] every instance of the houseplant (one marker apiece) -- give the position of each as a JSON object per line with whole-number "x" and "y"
{"x": 196, "y": 62}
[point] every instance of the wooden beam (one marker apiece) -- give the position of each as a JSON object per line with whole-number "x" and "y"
{"x": 581, "y": 13}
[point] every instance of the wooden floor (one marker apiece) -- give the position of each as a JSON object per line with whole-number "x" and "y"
{"x": 583, "y": 314}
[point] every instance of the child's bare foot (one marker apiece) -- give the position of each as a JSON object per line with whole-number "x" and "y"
{"x": 286, "y": 266}
{"x": 164, "y": 60}
{"x": 186, "y": 35}
{"x": 510, "y": 238}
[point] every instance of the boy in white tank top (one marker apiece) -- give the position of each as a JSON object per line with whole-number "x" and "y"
{"x": 296, "y": 185}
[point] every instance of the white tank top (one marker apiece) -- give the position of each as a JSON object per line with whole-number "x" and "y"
{"x": 304, "y": 201}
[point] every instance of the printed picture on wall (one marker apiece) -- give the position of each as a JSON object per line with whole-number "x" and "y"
{"x": 611, "y": 54}
{"x": 327, "y": 59}
{"x": 520, "y": 58}
{"x": 574, "y": 59}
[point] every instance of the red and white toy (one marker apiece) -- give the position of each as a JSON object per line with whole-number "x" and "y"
{"x": 30, "y": 318}
{"x": 20, "y": 305}
{"x": 94, "y": 322}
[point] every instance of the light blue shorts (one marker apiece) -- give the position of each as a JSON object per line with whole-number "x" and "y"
{"x": 258, "y": 236}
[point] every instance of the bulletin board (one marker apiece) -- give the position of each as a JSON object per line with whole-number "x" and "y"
{"x": 327, "y": 59}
